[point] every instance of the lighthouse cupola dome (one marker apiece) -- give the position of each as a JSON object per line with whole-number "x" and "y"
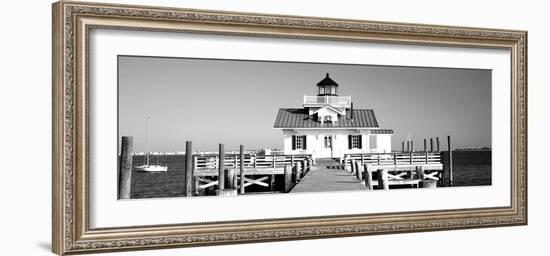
{"x": 327, "y": 87}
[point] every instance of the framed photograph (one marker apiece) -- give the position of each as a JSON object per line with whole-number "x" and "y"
{"x": 179, "y": 127}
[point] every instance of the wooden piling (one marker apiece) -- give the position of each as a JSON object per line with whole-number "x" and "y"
{"x": 241, "y": 174}
{"x": 305, "y": 168}
{"x": 412, "y": 146}
{"x": 431, "y": 144}
{"x": 408, "y": 146}
{"x": 427, "y": 157}
{"x": 359, "y": 173}
{"x": 420, "y": 172}
{"x": 296, "y": 173}
{"x": 221, "y": 164}
{"x": 229, "y": 178}
{"x": 125, "y": 173}
{"x": 196, "y": 186}
{"x": 402, "y": 146}
{"x": 368, "y": 178}
{"x": 272, "y": 182}
{"x": 437, "y": 143}
{"x": 425, "y": 145}
{"x": 450, "y": 149}
{"x": 288, "y": 178}
{"x": 383, "y": 179}
{"x": 189, "y": 169}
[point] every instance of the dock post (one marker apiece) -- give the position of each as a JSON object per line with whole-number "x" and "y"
{"x": 412, "y": 146}
{"x": 296, "y": 173}
{"x": 288, "y": 178}
{"x": 304, "y": 168}
{"x": 411, "y": 158}
{"x": 221, "y": 164}
{"x": 229, "y": 178}
{"x": 189, "y": 175}
{"x": 383, "y": 179}
{"x": 450, "y": 148}
{"x": 408, "y": 146}
{"x": 437, "y": 143}
{"x": 196, "y": 187}
{"x": 125, "y": 173}
{"x": 359, "y": 173}
{"x": 431, "y": 144}
{"x": 272, "y": 182}
{"x": 368, "y": 178}
{"x": 420, "y": 172}
{"x": 254, "y": 161}
{"x": 402, "y": 146}
{"x": 241, "y": 174}
{"x": 353, "y": 166}
{"x": 346, "y": 160}
{"x": 427, "y": 158}
{"x": 425, "y": 145}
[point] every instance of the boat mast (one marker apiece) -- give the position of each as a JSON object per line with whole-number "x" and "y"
{"x": 148, "y": 132}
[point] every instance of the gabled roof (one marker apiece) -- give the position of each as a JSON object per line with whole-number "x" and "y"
{"x": 339, "y": 111}
{"x": 327, "y": 81}
{"x": 299, "y": 118}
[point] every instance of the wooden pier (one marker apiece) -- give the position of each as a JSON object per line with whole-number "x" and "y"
{"x": 252, "y": 169}
{"x": 328, "y": 175}
{"x": 231, "y": 174}
{"x": 388, "y": 169}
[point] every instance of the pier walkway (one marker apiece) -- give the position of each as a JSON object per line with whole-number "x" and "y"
{"x": 328, "y": 175}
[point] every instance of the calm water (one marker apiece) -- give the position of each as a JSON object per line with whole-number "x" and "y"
{"x": 470, "y": 168}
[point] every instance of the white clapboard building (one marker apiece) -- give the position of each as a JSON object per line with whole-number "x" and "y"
{"x": 327, "y": 125}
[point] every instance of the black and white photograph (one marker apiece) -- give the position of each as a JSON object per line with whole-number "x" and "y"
{"x": 191, "y": 127}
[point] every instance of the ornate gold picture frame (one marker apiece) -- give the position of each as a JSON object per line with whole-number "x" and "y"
{"x": 72, "y": 23}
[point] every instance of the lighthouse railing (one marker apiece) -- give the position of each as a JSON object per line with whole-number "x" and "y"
{"x": 331, "y": 100}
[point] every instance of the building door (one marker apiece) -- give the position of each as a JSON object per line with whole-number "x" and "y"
{"x": 328, "y": 144}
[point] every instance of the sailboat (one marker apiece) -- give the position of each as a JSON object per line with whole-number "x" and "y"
{"x": 147, "y": 167}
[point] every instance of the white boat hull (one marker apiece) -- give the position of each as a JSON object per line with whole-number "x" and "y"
{"x": 152, "y": 168}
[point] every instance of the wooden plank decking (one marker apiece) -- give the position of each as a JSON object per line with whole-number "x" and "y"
{"x": 328, "y": 175}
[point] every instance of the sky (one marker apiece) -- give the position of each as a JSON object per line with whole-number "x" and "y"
{"x": 236, "y": 102}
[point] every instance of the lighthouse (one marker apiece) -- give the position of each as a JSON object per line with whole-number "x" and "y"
{"x": 328, "y": 126}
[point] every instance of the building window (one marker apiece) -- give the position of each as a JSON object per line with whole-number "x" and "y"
{"x": 355, "y": 141}
{"x": 328, "y": 119}
{"x": 333, "y": 90}
{"x": 299, "y": 142}
{"x": 328, "y": 141}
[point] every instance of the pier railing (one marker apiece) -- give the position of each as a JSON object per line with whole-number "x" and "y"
{"x": 409, "y": 158}
{"x": 202, "y": 162}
